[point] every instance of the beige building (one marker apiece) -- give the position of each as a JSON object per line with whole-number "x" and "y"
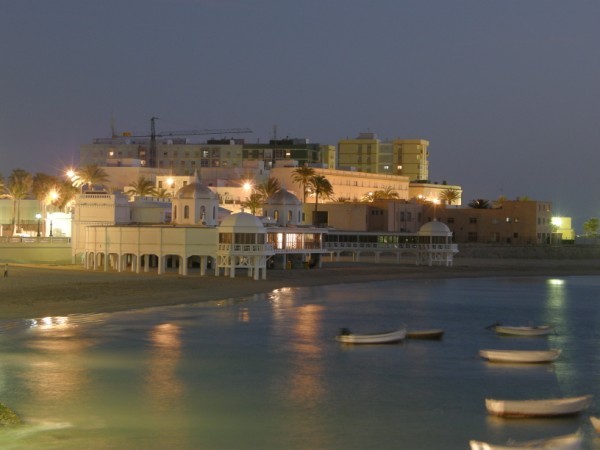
{"x": 366, "y": 153}
{"x": 349, "y": 185}
{"x": 175, "y": 156}
{"x": 515, "y": 222}
{"x": 433, "y": 192}
{"x": 396, "y": 216}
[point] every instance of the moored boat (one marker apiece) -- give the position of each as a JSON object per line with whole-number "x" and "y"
{"x": 540, "y": 330}
{"x": 538, "y": 408}
{"x": 520, "y": 356}
{"x": 388, "y": 337}
{"x": 425, "y": 334}
{"x": 595, "y": 423}
{"x": 567, "y": 442}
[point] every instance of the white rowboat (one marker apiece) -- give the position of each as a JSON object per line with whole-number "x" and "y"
{"x": 520, "y": 356}
{"x": 389, "y": 337}
{"x": 524, "y": 331}
{"x": 538, "y": 408}
{"x": 595, "y": 423}
{"x": 567, "y": 442}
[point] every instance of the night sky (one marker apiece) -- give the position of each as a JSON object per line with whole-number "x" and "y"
{"x": 506, "y": 91}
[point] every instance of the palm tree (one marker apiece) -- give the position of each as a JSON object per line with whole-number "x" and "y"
{"x": 91, "y": 175}
{"x": 449, "y": 196}
{"x": 387, "y": 193}
{"x": 17, "y": 188}
{"x": 499, "y": 201}
{"x": 320, "y": 187}
{"x": 254, "y": 202}
{"x": 162, "y": 193}
{"x": 590, "y": 227}
{"x": 268, "y": 188}
{"x": 66, "y": 195}
{"x": 302, "y": 176}
{"x": 142, "y": 188}
{"x": 479, "y": 203}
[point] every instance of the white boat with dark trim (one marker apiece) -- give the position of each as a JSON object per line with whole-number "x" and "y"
{"x": 540, "y": 330}
{"x": 567, "y": 442}
{"x": 388, "y": 337}
{"x": 520, "y": 356}
{"x": 538, "y": 408}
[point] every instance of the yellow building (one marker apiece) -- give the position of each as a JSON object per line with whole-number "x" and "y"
{"x": 366, "y": 153}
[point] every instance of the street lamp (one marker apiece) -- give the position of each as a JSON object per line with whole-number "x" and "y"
{"x": 171, "y": 184}
{"x": 38, "y": 216}
{"x": 50, "y": 217}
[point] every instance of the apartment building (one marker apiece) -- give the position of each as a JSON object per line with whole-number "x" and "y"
{"x": 514, "y": 222}
{"x": 366, "y": 153}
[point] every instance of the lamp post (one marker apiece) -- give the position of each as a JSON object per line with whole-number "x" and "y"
{"x": 38, "y": 216}
{"x": 50, "y": 217}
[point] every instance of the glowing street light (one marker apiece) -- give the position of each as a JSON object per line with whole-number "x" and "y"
{"x": 171, "y": 184}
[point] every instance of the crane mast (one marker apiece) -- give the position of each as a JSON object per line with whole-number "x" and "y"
{"x": 151, "y": 156}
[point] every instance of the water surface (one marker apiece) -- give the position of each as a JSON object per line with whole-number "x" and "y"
{"x": 265, "y": 372}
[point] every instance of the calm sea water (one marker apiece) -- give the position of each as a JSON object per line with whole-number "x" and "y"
{"x": 265, "y": 372}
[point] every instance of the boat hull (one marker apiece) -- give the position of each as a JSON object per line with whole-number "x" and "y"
{"x": 595, "y": 423}
{"x": 520, "y": 356}
{"x": 567, "y": 442}
{"x": 538, "y": 408}
{"x": 390, "y": 337}
{"x": 425, "y": 334}
{"x": 541, "y": 330}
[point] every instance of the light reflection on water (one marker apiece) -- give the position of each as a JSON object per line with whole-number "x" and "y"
{"x": 265, "y": 371}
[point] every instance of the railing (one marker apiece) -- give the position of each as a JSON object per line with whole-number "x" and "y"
{"x": 34, "y": 239}
{"x": 332, "y": 246}
{"x": 250, "y": 249}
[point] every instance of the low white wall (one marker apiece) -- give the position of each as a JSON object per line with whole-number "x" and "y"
{"x": 36, "y": 253}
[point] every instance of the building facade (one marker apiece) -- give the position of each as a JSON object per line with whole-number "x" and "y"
{"x": 366, "y": 153}
{"x": 514, "y": 222}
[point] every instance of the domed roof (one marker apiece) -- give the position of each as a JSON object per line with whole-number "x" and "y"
{"x": 243, "y": 221}
{"x": 435, "y": 228}
{"x": 196, "y": 190}
{"x": 283, "y": 197}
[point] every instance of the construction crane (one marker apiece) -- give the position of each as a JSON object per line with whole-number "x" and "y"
{"x": 151, "y": 156}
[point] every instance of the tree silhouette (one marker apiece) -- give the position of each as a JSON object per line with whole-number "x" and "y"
{"x": 302, "y": 176}
{"x": 479, "y": 203}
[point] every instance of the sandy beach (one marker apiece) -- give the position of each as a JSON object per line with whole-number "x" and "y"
{"x": 34, "y": 291}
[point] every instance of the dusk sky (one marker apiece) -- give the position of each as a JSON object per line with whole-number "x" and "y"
{"x": 507, "y": 92}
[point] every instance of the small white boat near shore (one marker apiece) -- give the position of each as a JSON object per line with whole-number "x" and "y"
{"x": 540, "y": 330}
{"x": 538, "y": 408}
{"x": 567, "y": 442}
{"x": 520, "y": 356}
{"x": 388, "y": 337}
{"x": 595, "y": 423}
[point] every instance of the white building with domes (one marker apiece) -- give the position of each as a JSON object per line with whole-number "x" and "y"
{"x": 193, "y": 235}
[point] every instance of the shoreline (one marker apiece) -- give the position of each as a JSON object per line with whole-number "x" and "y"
{"x": 35, "y": 291}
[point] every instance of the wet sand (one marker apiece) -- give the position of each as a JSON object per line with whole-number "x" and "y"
{"x": 34, "y": 291}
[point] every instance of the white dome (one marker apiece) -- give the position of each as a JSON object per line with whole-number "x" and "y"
{"x": 196, "y": 190}
{"x": 243, "y": 221}
{"x": 283, "y": 197}
{"x": 435, "y": 228}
